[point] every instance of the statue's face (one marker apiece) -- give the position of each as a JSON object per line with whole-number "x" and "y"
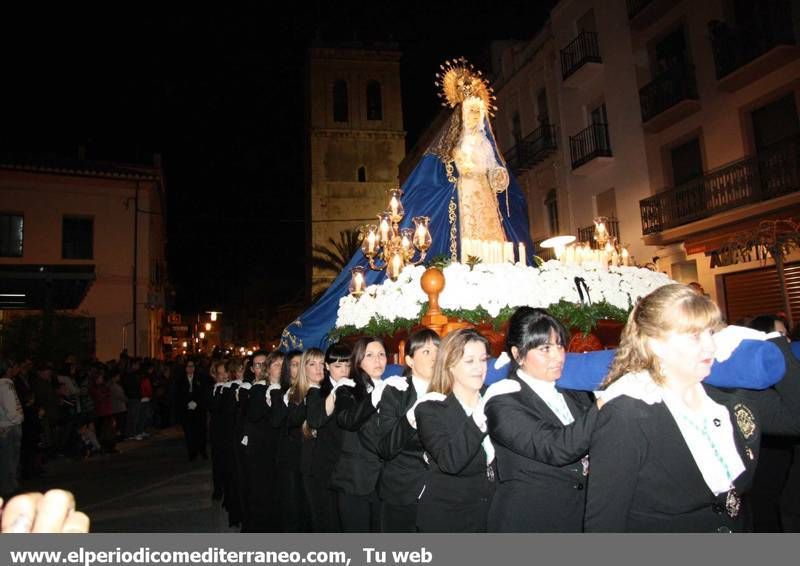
{"x": 472, "y": 112}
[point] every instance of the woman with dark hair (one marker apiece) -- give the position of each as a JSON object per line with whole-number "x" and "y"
{"x": 322, "y": 441}
{"x": 216, "y": 429}
{"x": 355, "y": 476}
{"x": 261, "y": 441}
{"x": 399, "y": 445}
{"x": 770, "y": 323}
{"x": 231, "y": 443}
{"x": 288, "y": 417}
{"x": 452, "y": 427}
{"x": 669, "y": 453}
{"x": 541, "y": 433}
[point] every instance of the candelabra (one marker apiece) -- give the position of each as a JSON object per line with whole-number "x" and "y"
{"x": 614, "y": 252}
{"x": 389, "y": 247}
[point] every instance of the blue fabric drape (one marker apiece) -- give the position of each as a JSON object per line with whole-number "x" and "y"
{"x": 426, "y": 192}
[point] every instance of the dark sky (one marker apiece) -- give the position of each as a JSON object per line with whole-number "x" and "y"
{"x": 220, "y": 95}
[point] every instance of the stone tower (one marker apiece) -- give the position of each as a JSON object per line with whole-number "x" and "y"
{"x": 355, "y": 142}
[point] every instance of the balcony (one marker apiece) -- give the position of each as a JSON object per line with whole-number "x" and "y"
{"x": 586, "y": 234}
{"x": 590, "y": 149}
{"x": 580, "y": 60}
{"x": 642, "y": 13}
{"x": 742, "y": 56}
{"x": 545, "y": 253}
{"x": 669, "y": 98}
{"x": 533, "y": 149}
{"x": 773, "y": 173}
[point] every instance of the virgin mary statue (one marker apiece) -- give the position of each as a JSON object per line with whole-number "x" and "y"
{"x": 463, "y": 186}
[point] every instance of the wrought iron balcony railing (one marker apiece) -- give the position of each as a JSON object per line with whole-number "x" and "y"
{"x": 588, "y": 144}
{"x": 772, "y": 173}
{"x": 531, "y": 150}
{"x": 581, "y": 50}
{"x": 545, "y": 253}
{"x": 668, "y": 89}
{"x": 735, "y": 47}
{"x": 586, "y": 234}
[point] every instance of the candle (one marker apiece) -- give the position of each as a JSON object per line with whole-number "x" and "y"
{"x": 508, "y": 252}
{"x": 397, "y": 265}
{"x": 626, "y": 257}
{"x": 522, "y": 259}
{"x": 419, "y": 235}
{"x": 359, "y": 283}
{"x": 393, "y": 205}
{"x": 603, "y": 260}
{"x": 371, "y": 242}
{"x": 384, "y": 230}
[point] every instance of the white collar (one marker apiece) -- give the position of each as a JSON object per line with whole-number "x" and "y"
{"x": 420, "y": 385}
{"x": 540, "y": 386}
{"x": 709, "y": 435}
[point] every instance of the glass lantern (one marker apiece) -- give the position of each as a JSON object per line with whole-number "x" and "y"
{"x": 358, "y": 281}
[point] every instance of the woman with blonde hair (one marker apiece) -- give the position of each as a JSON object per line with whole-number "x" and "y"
{"x": 451, "y": 425}
{"x": 669, "y": 453}
{"x": 289, "y": 418}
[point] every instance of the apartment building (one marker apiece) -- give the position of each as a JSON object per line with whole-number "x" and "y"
{"x": 679, "y": 120}
{"x": 87, "y": 240}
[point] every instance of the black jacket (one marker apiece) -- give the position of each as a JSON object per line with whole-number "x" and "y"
{"x": 459, "y": 485}
{"x": 644, "y": 478}
{"x": 359, "y": 466}
{"x": 542, "y": 483}
{"x": 324, "y": 451}
{"x": 400, "y": 447}
{"x": 200, "y": 394}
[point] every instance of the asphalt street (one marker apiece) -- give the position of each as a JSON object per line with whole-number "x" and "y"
{"x": 150, "y": 486}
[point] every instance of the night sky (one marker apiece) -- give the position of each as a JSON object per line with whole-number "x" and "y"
{"x": 220, "y": 95}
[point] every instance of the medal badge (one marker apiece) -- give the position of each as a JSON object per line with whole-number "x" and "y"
{"x": 732, "y": 503}
{"x": 745, "y": 420}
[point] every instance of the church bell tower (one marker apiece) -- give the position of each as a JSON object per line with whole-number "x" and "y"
{"x": 354, "y": 144}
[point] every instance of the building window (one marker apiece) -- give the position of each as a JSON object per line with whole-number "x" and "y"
{"x": 541, "y": 106}
{"x": 77, "y": 238}
{"x": 516, "y": 129}
{"x": 775, "y": 122}
{"x": 362, "y": 174}
{"x": 551, "y": 203}
{"x": 671, "y": 52}
{"x": 340, "y": 110}
{"x": 374, "y": 102}
{"x": 606, "y": 203}
{"x": 11, "y": 226}
{"x": 597, "y": 115}
{"x": 687, "y": 162}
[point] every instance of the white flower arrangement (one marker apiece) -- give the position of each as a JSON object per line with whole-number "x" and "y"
{"x": 495, "y": 287}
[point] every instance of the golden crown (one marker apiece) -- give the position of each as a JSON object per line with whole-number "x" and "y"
{"x": 460, "y": 80}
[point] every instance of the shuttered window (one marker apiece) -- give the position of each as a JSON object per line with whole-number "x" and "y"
{"x": 755, "y": 292}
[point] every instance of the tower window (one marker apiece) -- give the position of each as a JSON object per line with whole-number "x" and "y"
{"x": 362, "y": 174}
{"x": 340, "y": 110}
{"x": 374, "y": 102}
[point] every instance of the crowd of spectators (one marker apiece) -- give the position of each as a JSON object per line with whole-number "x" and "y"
{"x": 78, "y": 409}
